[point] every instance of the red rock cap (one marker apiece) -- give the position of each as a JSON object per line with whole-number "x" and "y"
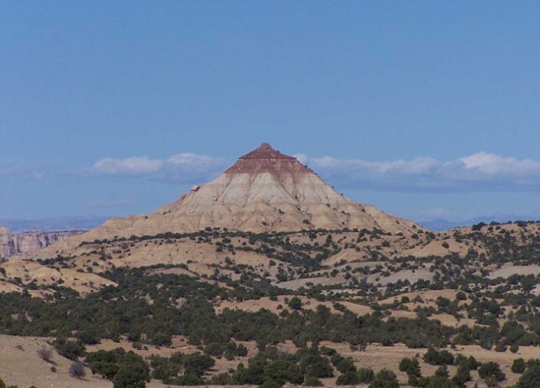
{"x": 265, "y": 151}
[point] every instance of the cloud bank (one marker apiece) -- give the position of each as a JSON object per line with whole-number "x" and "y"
{"x": 183, "y": 168}
{"x": 480, "y": 171}
{"x": 130, "y": 166}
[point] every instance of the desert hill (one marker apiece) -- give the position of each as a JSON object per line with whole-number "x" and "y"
{"x": 335, "y": 259}
{"x": 267, "y": 207}
{"x": 264, "y": 191}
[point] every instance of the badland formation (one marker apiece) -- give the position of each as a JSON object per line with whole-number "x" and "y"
{"x": 315, "y": 287}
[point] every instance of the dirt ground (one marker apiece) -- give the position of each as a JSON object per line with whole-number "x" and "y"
{"x": 274, "y": 305}
{"x": 378, "y": 357}
{"x": 20, "y": 364}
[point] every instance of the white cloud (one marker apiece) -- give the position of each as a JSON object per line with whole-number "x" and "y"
{"x": 416, "y": 166}
{"x": 130, "y": 166}
{"x": 491, "y": 164}
{"x": 183, "y": 167}
{"x": 200, "y": 162}
{"x": 480, "y": 171}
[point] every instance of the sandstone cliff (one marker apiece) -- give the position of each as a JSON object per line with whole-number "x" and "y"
{"x": 6, "y": 242}
{"x": 12, "y": 244}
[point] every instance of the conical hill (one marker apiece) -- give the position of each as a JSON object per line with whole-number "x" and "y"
{"x": 263, "y": 191}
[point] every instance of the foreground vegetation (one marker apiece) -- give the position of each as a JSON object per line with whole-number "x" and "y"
{"x": 149, "y": 307}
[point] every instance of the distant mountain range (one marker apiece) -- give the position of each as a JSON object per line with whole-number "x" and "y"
{"x": 91, "y": 222}
{"x": 442, "y": 224}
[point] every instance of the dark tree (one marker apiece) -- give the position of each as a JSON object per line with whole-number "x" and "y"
{"x": 530, "y": 378}
{"x": 519, "y": 365}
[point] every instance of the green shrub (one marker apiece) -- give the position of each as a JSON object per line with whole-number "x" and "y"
{"x": 519, "y": 366}
{"x": 530, "y": 378}
{"x": 411, "y": 366}
{"x": 348, "y": 378}
{"x": 462, "y": 376}
{"x": 365, "y": 375}
{"x": 385, "y": 378}
{"x": 344, "y": 365}
{"x": 133, "y": 372}
{"x": 442, "y": 371}
{"x": 312, "y": 381}
{"x": 440, "y": 382}
{"x": 435, "y": 357}
{"x": 295, "y": 303}
{"x": 241, "y": 351}
{"x": 491, "y": 373}
{"x": 71, "y": 350}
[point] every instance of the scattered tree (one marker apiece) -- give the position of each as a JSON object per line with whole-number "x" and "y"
{"x": 76, "y": 370}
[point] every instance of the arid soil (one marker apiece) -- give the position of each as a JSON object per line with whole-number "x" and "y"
{"x": 16, "y": 352}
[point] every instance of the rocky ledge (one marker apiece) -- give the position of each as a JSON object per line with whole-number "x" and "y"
{"x": 12, "y": 244}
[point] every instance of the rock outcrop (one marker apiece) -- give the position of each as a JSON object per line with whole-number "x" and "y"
{"x": 6, "y": 242}
{"x": 12, "y": 244}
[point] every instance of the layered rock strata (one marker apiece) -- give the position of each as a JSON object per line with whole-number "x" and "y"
{"x": 12, "y": 244}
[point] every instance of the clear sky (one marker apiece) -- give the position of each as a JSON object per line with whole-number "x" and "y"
{"x": 427, "y": 109}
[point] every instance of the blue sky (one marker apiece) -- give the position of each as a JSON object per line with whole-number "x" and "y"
{"x": 427, "y": 109}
